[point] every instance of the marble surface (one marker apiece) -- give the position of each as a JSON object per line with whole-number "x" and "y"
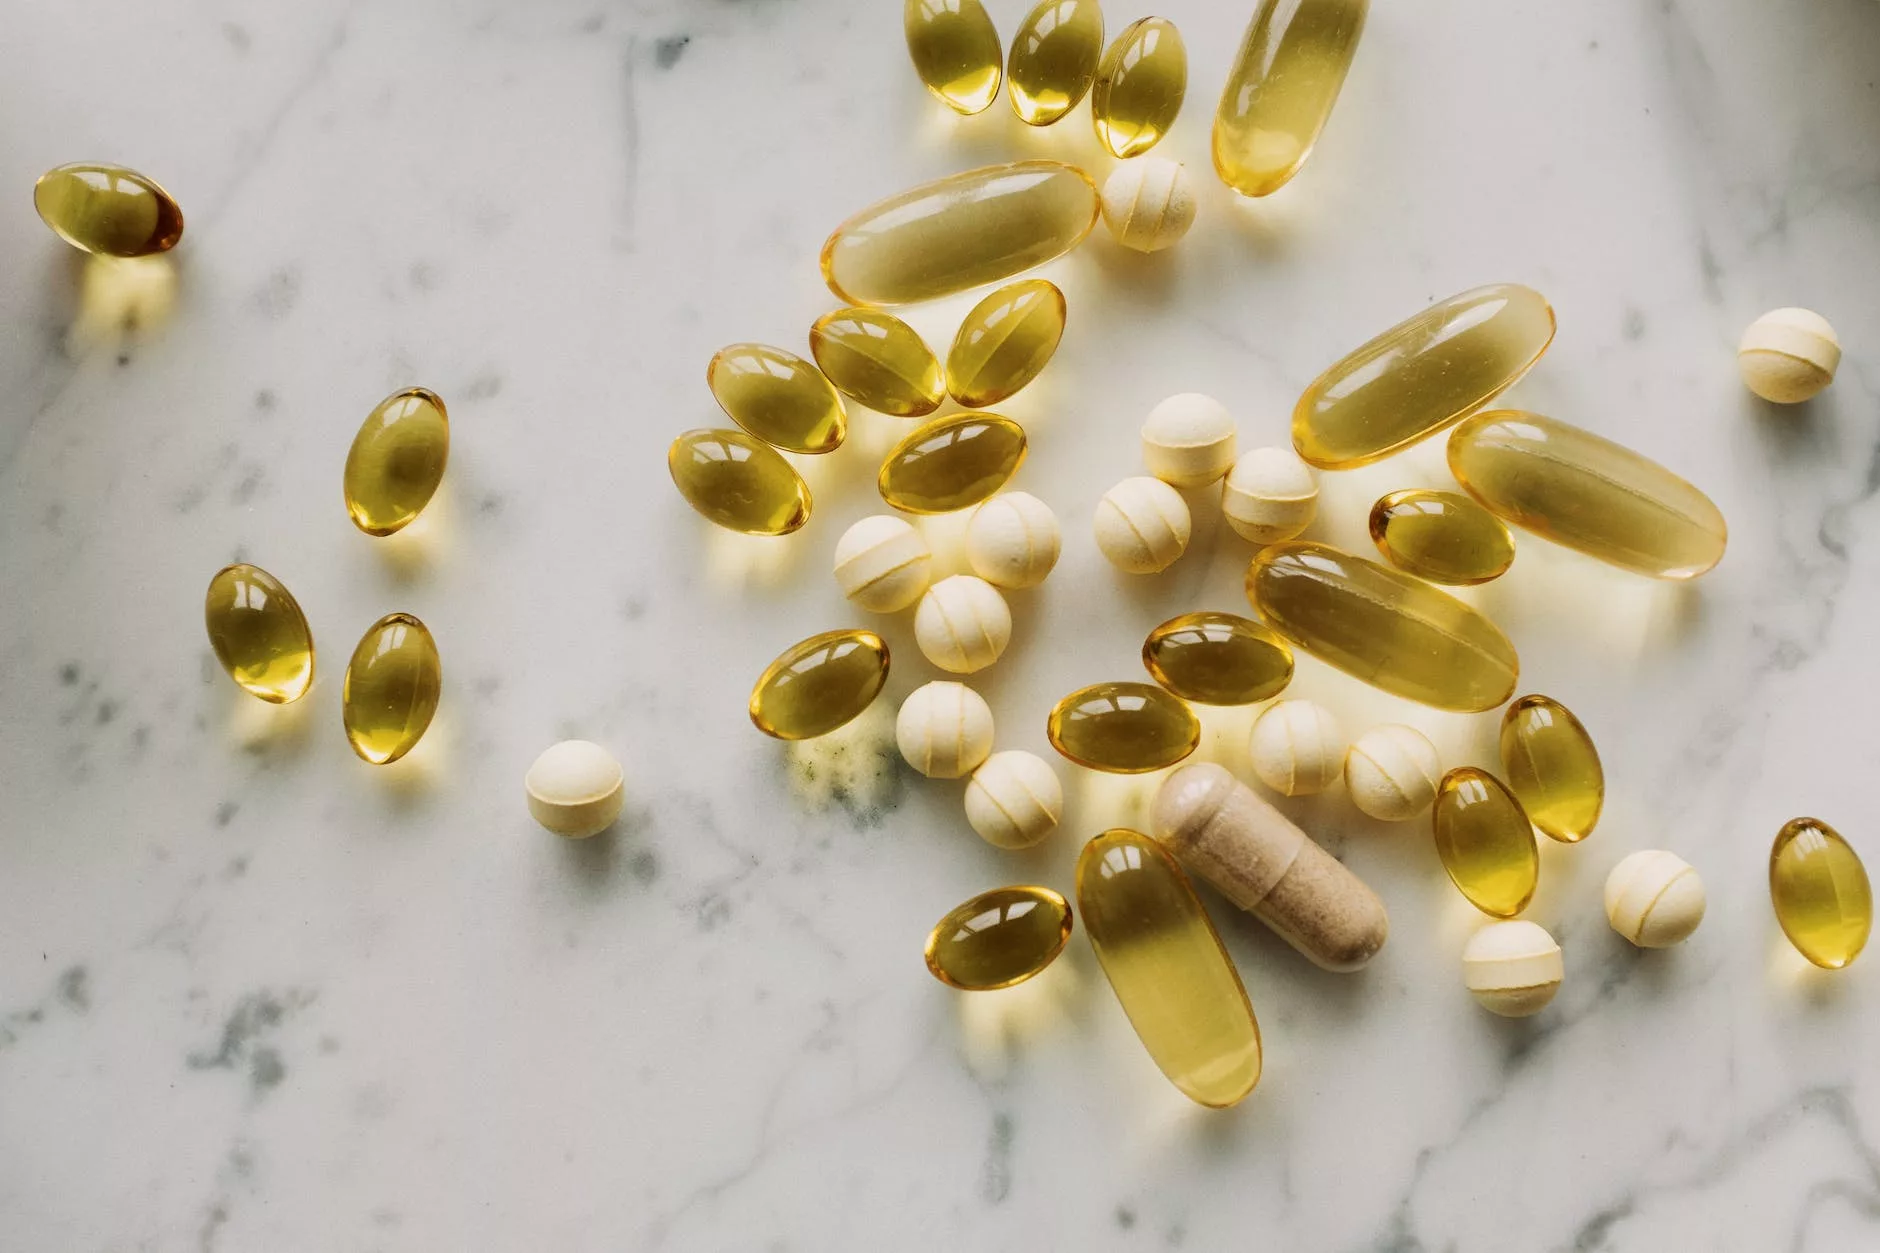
{"x": 257, "y": 995}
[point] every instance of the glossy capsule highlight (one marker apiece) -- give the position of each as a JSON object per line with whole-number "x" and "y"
{"x": 396, "y": 461}
{"x": 955, "y": 49}
{"x": 1281, "y": 89}
{"x": 393, "y": 683}
{"x": 1485, "y": 842}
{"x": 1053, "y": 59}
{"x": 1552, "y": 767}
{"x": 1820, "y": 892}
{"x": 108, "y": 210}
{"x": 1218, "y": 659}
{"x": 951, "y": 463}
{"x": 1123, "y": 728}
{"x": 1139, "y": 87}
{"x": 738, "y": 482}
{"x": 778, "y": 397}
{"x": 1444, "y": 537}
{"x": 998, "y": 938}
{"x": 1005, "y": 342}
{"x": 259, "y": 633}
{"x": 819, "y": 684}
{"x": 878, "y": 361}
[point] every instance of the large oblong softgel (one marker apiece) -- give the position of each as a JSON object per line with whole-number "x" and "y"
{"x": 1005, "y": 341}
{"x": 393, "y": 683}
{"x": 819, "y": 684}
{"x": 1485, "y": 842}
{"x": 259, "y": 633}
{"x": 1821, "y": 893}
{"x": 998, "y": 938}
{"x": 397, "y": 461}
{"x": 739, "y": 482}
{"x": 108, "y": 210}
{"x": 1281, "y": 89}
{"x": 951, "y": 463}
{"x": 1053, "y": 59}
{"x": 955, "y": 49}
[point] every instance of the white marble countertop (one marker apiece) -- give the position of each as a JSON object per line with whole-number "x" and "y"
{"x": 257, "y": 995}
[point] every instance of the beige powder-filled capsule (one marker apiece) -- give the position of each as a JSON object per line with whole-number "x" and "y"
{"x": 1142, "y": 525}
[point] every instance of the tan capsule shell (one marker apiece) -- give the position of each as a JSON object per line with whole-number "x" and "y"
{"x": 1654, "y": 899}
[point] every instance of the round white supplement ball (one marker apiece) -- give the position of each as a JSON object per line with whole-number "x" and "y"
{"x": 1270, "y": 495}
{"x": 1787, "y": 355}
{"x": 1392, "y": 772}
{"x": 1012, "y": 540}
{"x": 1014, "y": 800}
{"x": 962, "y": 624}
{"x": 1512, "y": 968}
{"x": 944, "y": 730}
{"x": 1188, "y": 440}
{"x": 1297, "y": 748}
{"x": 1149, "y": 203}
{"x": 1654, "y": 899}
{"x": 883, "y": 564}
{"x": 1142, "y": 525}
{"x": 575, "y": 789}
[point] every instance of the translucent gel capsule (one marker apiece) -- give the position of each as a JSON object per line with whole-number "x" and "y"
{"x": 963, "y": 231}
{"x": 392, "y": 687}
{"x": 1124, "y": 728}
{"x": 956, "y": 51}
{"x": 778, "y": 397}
{"x": 1005, "y": 341}
{"x": 1053, "y": 59}
{"x": 1140, "y": 84}
{"x": 1820, "y": 891}
{"x": 1385, "y": 627}
{"x": 1421, "y": 375}
{"x": 1165, "y": 962}
{"x": 998, "y": 938}
{"x": 108, "y": 209}
{"x": 1441, "y": 536}
{"x": 819, "y": 684}
{"x": 738, "y": 482}
{"x": 1485, "y": 842}
{"x": 1586, "y": 493}
{"x": 1281, "y": 89}
{"x": 259, "y": 634}
{"x": 951, "y": 463}
{"x": 1552, "y": 767}
{"x": 1218, "y": 659}
{"x": 397, "y": 461}
{"x": 879, "y": 361}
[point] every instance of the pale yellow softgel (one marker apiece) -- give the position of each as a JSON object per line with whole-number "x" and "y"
{"x": 259, "y": 633}
{"x": 1218, "y": 659}
{"x": 998, "y": 938}
{"x": 1512, "y": 968}
{"x": 1053, "y": 59}
{"x": 108, "y": 210}
{"x": 1788, "y": 355}
{"x": 1123, "y": 728}
{"x": 1552, "y": 767}
{"x": 738, "y": 482}
{"x": 575, "y": 788}
{"x": 878, "y": 361}
{"x": 1140, "y": 85}
{"x": 955, "y": 50}
{"x": 1821, "y": 893}
{"x": 397, "y": 461}
{"x": 1281, "y": 89}
{"x": 1004, "y": 342}
{"x": 1485, "y": 842}
{"x": 819, "y": 684}
{"x": 392, "y": 687}
{"x": 951, "y": 463}
{"x": 1444, "y": 537}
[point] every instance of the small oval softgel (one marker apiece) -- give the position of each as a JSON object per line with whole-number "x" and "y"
{"x": 1053, "y": 59}
{"x": 1123, "y": 728}
{"x": 397, "y": 461}
{"x": 108, "y": 210}
{"x": 998, "y": 938}
{"x": 1444, "y": 537}
{"x": 393, "y": 684}
{"x": 1005, "y": 342}
{"x": 1218, "y": 659}
{"x": 575, "y": 788}
{"x": 1512, "y": 968}
{"x": 956, "y": 52}
{"x": 738, "y": 482}
{"x": 1014, "y": 799}
{"x": 1485, "y": 842}
{"x": 259, "y": 633}
{"x": 878, "y": 361}
{"x": 951, "y": 463}
{"x": 1140, "y": 83}
{"x": 1821, "y": 893}
{"x": 883, "y": 564}
{"x": 1552, "y": 767}
{"x": 819, "y": 684}
{"x": 778, "y": 397}
{"x": 944, "y": 730}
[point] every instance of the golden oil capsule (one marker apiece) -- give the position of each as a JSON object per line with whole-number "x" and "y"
{"x": 1053, "y": 59}
{"x": 819, "y": 684}
{"x": 259, "y": 634}
{"x": 1385, "y": 627}
{"x": 1292, "y": 62}
{"x": 1124, "y": 728}
{"x": 108, "y": 210}
{"x": 959, "y": 232}
{"x": 951, "y": 463}
{"x": 392, "y": 687}
{"x": 1421, "y": 375}
{"x": 1218, "y": 659}
{"x": 1165, "y": 962}
{"x": 998, "y": 938}
{"x": 1820, "y": 891}
{"x": 1441, "y": 536}
{"x": 956, "y": 51}
{"x": 778, "y": 397}
{"x": 740, "y": 483}
{"x": 1552, "y": 767}
{"x": 1140, "y": 84}
{"x": 879, "y": 361}
{"x": 1005, "y": 341}
{"x": 1485, "y": 842}
{"x": 397, "y": 461}
{"x": 1586, "y": 493}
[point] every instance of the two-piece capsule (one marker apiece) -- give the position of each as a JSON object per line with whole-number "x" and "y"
{"x": 951, "y": 463}
{"x": 879, "y": 361}
{"x": 108, "y": 210}
{"x": 1820, "y": 892}
{"x": 740, "y": 483}
{"x": 397, "y": 460}
{"x": 819, "y": 684}
{"x": 1123, "y": 728}
{"x": 1281, "y": 89}
{"x": 1218, "y": 659}
{"x": 778, "y": 397}
{"x": 955, "y": 49}
{"x": 1552, "y": 767}
{"x": 1139, "y": 87}
{"x": 1441, "y": 536}
{"x": 1004, "y": 342}
{"x": 1485, "y": 842}
{"x": 393, "y": 684}
{"x": 1053, "y": 59}
{"x": 259, "y": 633}
{"x": 998, "y": 938}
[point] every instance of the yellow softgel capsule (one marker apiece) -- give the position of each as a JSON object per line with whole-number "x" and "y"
{"x": 1586, "y": 493}
{"x": 1281, "y": 89}
{"x": 397, "y": 461}
{"x": 879, "y": 361}
{"x": 998, "y": 938}
{"x": 1165, "y": 962}
{"x": 108, "y": 210}
{"x": 1820, "y": 891}
{"x": 1005, "y": 341}
{"x": 392, "y": 687}
{"x": 1444, "y": 537}
{"x": 1218, "y": 659}
{"x": 1421, "y": 375}
{"x": 951, "y": 463}
{"x": 1552, "y": 767}
{"x": 740, "y": 483}
{"x": 778, "y": 397}
{"x": 1383, "y": 626}
{"x": 959, "y": 232}
{"x": 1485, "y": 842}
{"x": 955, "y": 49}
{"x": 259, "y": 633}
{"x": 819, "y": 684}
{"x": 1139, "y": 88}
{"x": 1053, "y": 59}
{"x": 1123, "y": 728}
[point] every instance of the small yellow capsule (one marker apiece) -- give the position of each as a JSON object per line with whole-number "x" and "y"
{"x": 397, "y": 461}
{"x": 1124, "y": 728}
{"x": 1140, "y": 84}
{"x": 778, "y": 397}
{"x": 392, "y": 687}
{"x": 878, "y": 360}
{"x": 738, "y": 482}
{"x": 259, "y": 634}
{"x": 1281, "y": 90}
{"x": 1218, "y": 659}
{"x": 951, "y": 463}
{"x": 956, "y": 51}
{"x": 1441, "y": 536}
{"x": 1820, "y": 892}
{"x": 1054, "y": 59}
{"x": 819, "y": 684}
{"x": 1552, "y": 767}
{"x": 998, "y": 938}
{"x": 108, "y": 209}
{"x": 1485, "y": 842}
{"x": 1005, "y": 341}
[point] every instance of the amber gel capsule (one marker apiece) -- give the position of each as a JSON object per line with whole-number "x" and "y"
{"x": 1218, "y": 659}
{"x": 951, "y": 463}
{"x": 1485, "y": 842}
{"x": 819, "y": 684}
{"x": 108, "y": 210}
{"x": 1552, "y": 767}
{"x": 1123, "y": 728}
{"x": 1054, "y": 59}
{"x": 1005, "y": 341}
{"x": 1140, "y": 84}
{"x": 1441, "y": 536}
{"x": 1165, "y": 962}
{"x": 878, "y": 360}
{"x": 955, "y": 50}
{"x": 392, "y": 687}
{"x": 397, "y": 461}
{"x": 259, "y": 634}
{"x": 1820, "y": 891}
{"x": 998, "y": 938}
{"x": 778, "y": 397}
{"x": 1282, "y": 88}
{"x": 738, "y": 482}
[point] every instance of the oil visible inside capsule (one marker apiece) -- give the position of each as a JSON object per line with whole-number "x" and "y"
{"x": 392, "y": 688}
{"x": 1552, "y": 767}
{"x": 397, "y": 461}
{"x": 738, "y": 482}
{"x": 1281, "y": 90}
{"x": 1139, "y": 88}
{"x": 879, "y": 361}
{"x": 109, "y": 210}
{"x": 778, "y": 397}
{"x": 1218, "y": 659}
{"x": 951, "y": 463}
{"x": 1820, "y": 892}
{"x": 1123, "y": 728}
{"x": 259, "y": 633}
{"x": 998, "y": 938}
{"x": 1054, "y": 59}
{"x": 819, "y": 684}
{"x": 1485, "y": 842}
{"x": 1441, "y": 536}
{"x": 1005, "y": 342}
{"x": 955, "y": 50}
